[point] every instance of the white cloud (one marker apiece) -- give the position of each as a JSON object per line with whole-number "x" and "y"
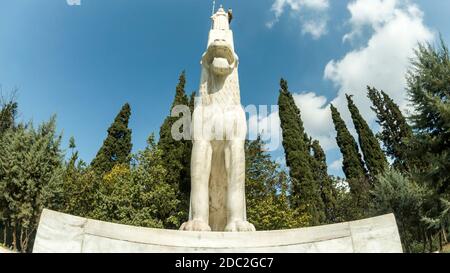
{"x": 264, "y": 122}
{"x": 397, "y": 27}
{"x": 372, "y": 13}
{"x": 316, "y": 118}
{"x": 311, "y": 14}
{"x": 315, "y": 28}
{"x": 336, "y": 165}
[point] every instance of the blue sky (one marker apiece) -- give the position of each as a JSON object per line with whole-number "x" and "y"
{"x": 84, "y": 62}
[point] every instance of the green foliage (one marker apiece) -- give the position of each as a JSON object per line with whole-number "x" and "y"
{"x": 151, "y": 188}
{"x": 133, "y": 195}
{"x": 349, "y": 207}
{"x": 81, "y": 190}
{"x": 395, "y": 193}
{"x": 305, "y": 190}
{"x": 8, "y": 113}
{"x": 177, "y": 154}
{"x": 117, "y": 146}
{"x": 353, "y": 166}
{"x": 30, "y": 179}
{"x": 374, "y": 158}
{"x": 267, "y": 186}
{"x": 429, "y": 93}
{"x": 192, "y": 102}
{"x": 429, "y": 147}
{"x": 395, "y": 130}
{"x": 440, "y": 225}
{"x": 327, "y": 190}
{"x": 138, "y": 195}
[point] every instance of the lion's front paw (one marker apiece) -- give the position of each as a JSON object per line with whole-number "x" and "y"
{"x": 240, "y": 226}
{"x": 195, "y": 225}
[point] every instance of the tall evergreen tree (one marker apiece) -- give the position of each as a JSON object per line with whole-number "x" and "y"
{"x": 395, "y": 130}
{"x": 319, "y": 168}
{"x": 176, "y": 153}
{"x": 353, "y": 166}
{"x": 305, "y": 191}
{"x": 192, "y": 102}
{"x": 117, "y": 146}
{"x": 373, "y": 155}
{"x": 8, "y": 113}
{"x": 429, "y": 92}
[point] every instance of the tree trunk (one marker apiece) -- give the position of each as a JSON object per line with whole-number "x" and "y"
{"x": 431, "y": 243}
{"x": 21, "y": 239}
{"x": 5, "y": 233}
{"x": 14, "y": 242}
{"x": 24, "y": 239}
{"x": 407, "y": 248}
{"x": 424, "y": 237}
{"x": 444, "y": 233}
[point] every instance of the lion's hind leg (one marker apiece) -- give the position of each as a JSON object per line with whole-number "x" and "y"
{"x": 235, "y": 167}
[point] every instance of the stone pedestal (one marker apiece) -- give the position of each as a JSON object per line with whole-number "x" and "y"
{"x": 60, "y": 232}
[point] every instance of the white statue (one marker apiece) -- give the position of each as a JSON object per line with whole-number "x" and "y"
{"x": 218, "y": 132}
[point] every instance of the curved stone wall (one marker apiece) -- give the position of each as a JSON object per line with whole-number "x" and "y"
{"x": 58, "y": 232}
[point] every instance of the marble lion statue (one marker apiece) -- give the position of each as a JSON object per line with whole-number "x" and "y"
{"x": 218, "y": 132}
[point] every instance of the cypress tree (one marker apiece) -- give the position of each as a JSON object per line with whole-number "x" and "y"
{"x": 428, "y": 91}
{"x": 353, "y": 166}
{"x": 323, "y": 179}
{"x": 305, "y": 190}
{"x": 117, "y": 146}
{"x": 395, "y": 129}
{"x": 192, "y": 102}
{"x": 176, "y": 155}
{"x": 373, "y": 155}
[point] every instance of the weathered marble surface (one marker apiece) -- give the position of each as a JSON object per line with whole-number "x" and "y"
{"x": 60, "y": 232}
{"x": 218, "y": 132}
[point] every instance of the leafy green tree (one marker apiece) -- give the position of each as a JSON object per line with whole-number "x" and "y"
{"x": 176, "y": 153}
{"x": 117, "y": 146}
{"x": 440, "y": 225}
{"x": 81, "y": 185}
{"x": 395, "y": 193}
{"x": 30, "y": 179}
{"x": 8, "y": 114}
{"x": 192, "y": 102}
{"x": 428, "y": 90}
{"x": 374, "y": 157}
{"x": 267, "y": 191}
{"x": 353, "y": 166}
{"x": 305, "y": 190}
{"x": 348, "y": 205}
{"x": 81, "y": 190}
{"x": 138, "y": 195}
{"x": 395, "y": 130}
{"x": 320, "y": 171}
